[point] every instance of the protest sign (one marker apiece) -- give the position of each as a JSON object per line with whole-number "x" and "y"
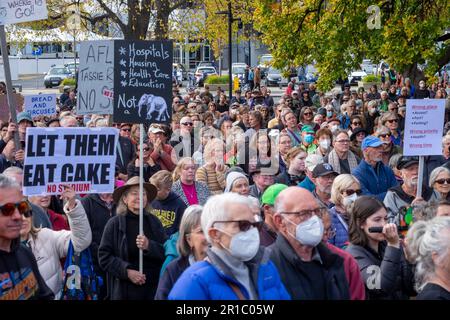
{"x": 40, "y": 105}
{"x": 4, "y": 108}
{"x": 83, "y": 158}
{"x": 424, "y": 124}
{"x": 96, "y": 78}
{"x": 17, "y": 11}
{"x": 143, "y": 81}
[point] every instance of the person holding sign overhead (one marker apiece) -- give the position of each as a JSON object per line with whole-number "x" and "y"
{"x": 118, "y": 253}
{"x": 150, "y": 167}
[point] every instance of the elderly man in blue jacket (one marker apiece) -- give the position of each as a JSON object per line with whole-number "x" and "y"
{"x": 375, "y": 177}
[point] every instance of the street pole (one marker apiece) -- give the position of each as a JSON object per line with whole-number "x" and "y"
{"x": 9, "y": 93}
{"x": 37, "y": 71}
{"x": 230, "y": 48}
{"x": 74, "y": 51}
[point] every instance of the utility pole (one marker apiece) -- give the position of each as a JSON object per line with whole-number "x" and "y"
{"x": 229, "y": 12}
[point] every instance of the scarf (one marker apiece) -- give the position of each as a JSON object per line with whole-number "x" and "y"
{"x": 333, "y": 159}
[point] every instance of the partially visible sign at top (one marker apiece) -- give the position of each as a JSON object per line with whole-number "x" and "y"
{"x": 18, "y": 11}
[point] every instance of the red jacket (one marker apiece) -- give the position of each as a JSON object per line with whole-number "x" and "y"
{"x": 355, "y": 280}
{"x": 164, "y": 161}
{"x": 58, "y": 221}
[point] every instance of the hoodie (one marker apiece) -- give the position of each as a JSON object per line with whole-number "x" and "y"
{"x": 169, "y": 211}
{"x": 19, "y": 275}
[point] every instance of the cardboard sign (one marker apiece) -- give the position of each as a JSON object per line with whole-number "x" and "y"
{"x": 96, "y": 78}
{"x": 17, "y": 11}
{"x": 83, "y": 158}
{"x": 40, "y": 105}
{"x": 143, "y": 81}
{"x": 424, "y": 125}
{"x": 4, "y": 108}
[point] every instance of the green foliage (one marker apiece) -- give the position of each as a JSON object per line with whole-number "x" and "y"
{"x": 371, "y": 78}
{"x": 69, "y": 82}
{"x": 217, "y": 79}
{"x": 334, "y": 34}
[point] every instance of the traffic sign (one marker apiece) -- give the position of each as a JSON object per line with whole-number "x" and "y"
{"x": 37, "y": 51}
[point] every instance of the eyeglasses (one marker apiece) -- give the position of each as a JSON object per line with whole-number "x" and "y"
{"x": 128, "y": 130}
{"x": 442, "y": 181}
{"x": 307, "y": 113}
{"x": 190, "y": 124}
{"x": 24, "y": 208}
{"x": 349, "y": 192}
{"x": 392, "y": 120}
{"x": 244, "y": 225}
{"x": 387, "y": 135}
{"x": 356, "y": 123}
{"x": 306, "y": 214}
{"x": 343, "y": 141}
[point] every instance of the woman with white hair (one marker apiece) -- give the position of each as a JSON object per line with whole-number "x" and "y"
{"x": 237, "y": 182}
{"x": 191, "y": 246}
{"x": 344, "y": 191}
{"x": 236, "y": 267}
{"x": 429, "y": 248}
{"x": 440, "y": 182}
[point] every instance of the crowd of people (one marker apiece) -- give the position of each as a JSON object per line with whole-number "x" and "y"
{"x": 305, "y": 198}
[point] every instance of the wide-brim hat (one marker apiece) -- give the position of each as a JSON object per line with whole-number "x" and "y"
{"x": 134, "y": 181}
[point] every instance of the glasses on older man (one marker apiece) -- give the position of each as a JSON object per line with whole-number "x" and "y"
{"x": 306, "y": 214}
{"x": 23, "y": 206}
{"x": 244, "y": 225}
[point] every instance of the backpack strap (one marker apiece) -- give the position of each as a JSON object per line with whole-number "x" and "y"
{"x": 236, "y": 290}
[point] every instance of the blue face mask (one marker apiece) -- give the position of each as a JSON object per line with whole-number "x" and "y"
{"x": 308, "y": 139}
{"x": 329, "y": 114}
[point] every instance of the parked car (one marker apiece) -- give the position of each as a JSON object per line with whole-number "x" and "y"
{"x": 202, "y": 73}
{"x": 71, "y": 66}
{"x": 264, "y": 64}
{"x": 356, "y": 76}
{"x": 274, "y": 77}
{"x": 368, "y": 66}
{"x": 206, "y": 64}
{"x": 311, "y": 74}
{"x": 56, "y": 75}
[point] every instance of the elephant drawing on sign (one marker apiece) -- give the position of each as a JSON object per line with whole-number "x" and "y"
{"x": 153, "y": 103}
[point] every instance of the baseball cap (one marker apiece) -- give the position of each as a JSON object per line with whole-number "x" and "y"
{"x": 271, "y": 193}
{"x": 155, "y": 129}
{"x": 312, "y": 161}
{"x": 371, "y": 141}
{"x": 406, "y": 161}
{"x": 323, "y": 169}
{"x": 308, "y": 129}
{"x": 24, "y": 115}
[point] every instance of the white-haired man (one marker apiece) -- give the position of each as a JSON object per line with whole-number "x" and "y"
{"x": 236, "y": 266}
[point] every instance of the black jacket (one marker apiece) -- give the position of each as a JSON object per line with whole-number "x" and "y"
{"x": 298, "y": 282}
{"x": 98, "y": 215}
{"x": 169, "y": 211}
{"x": 20, "y": 277}
{"x": 170, "y": 276}
{"x": 133, "y": 171}
{"x": 5, "y": 163}
{"x": 125, "y": 154}
{"x": 386, "y": 273}
{"x": 113, "y": 254}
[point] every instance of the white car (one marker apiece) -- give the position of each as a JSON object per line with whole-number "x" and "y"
{"x": 356, "y": 76}
{"x": 238, "y": 70}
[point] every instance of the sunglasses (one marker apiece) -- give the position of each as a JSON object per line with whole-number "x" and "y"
{"x": 392, "y": 120}
{"x": 442, "y": 181}
{"x": 349, "y": 192}
{"x": 308, "y": 113}
{"x": 356, "y": 123}
{"x": 128, "y": 130}
{"x": 190, "y": 124}
{"x": 387, "y": 135}
{"x": 24, "y": 208}
{"x": 244, "y": 225}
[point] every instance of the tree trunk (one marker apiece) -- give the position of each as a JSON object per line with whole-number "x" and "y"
{"x": 414, "y": 73}
{"x": 162, "y": 20}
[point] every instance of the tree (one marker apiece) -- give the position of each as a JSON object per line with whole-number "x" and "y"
{"x": 338, "y": 34}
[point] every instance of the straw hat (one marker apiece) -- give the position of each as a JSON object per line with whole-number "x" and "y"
{"x": 134, "y": 181}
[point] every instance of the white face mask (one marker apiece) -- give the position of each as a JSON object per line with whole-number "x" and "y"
{"x": 334, "y": 128}
{"x": 349, "y": 200}
{"x": 244, "y": 245}
{"x": 309, "y": 232}
{"x": 325, "y": 144}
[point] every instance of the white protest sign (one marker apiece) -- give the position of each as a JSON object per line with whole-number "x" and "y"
{"x": 424, "y": 124}
{"x": 40, "y": 105}
{"x": 83, "y": 158}
{"x": 17, "y": 11}
{"x": 96, "y": 78}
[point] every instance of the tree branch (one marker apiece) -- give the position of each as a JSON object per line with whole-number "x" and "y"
{"x": 112, "y": 15}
